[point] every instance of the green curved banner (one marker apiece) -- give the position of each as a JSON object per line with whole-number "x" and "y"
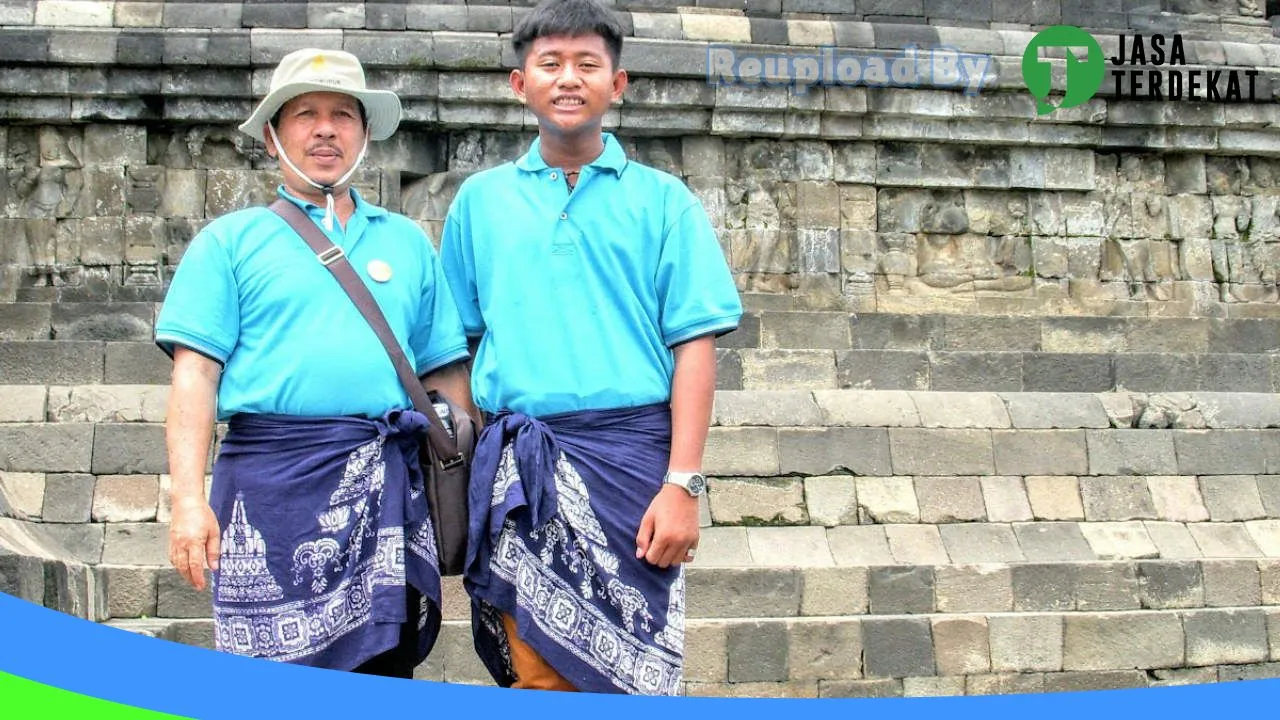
{"x": 22, "y": 699}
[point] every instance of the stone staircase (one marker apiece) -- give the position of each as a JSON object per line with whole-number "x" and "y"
{"x": 1002, "y": 415}
{"x": 1115, "y": 526}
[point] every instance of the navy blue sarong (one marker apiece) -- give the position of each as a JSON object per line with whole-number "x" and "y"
{"x": 556, "y": 505}
{"x": 324, "y": 521}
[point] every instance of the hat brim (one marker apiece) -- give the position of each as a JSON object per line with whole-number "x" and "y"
{"x": 382, "y": 108}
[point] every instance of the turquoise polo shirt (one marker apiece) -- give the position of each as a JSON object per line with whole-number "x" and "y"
{"x": 250, "y": 294}
{"x": 578, "y": 297}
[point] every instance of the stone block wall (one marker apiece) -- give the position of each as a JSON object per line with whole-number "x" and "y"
{"x": 119, "y": 143}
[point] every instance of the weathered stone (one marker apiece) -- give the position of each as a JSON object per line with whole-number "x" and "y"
{"x": 1224, "y": 540}
{"x": 736, "y": 501}
{"x": 1131, "y": 452}
{"x": 23, "y": 493}
{"x": 788, "y": 369}
{"x": 1231, "y": 498}
{"x": 136, "y": 544}
{"x": 831, "y": 500}
{"x": 789, "y": 547}
{"x": 861, "y": 451}
{"x": 1046, "y": 541}
{"x": 1220, "y": 637}
{"x": 960, "y": 410}
{"x": 901, "y": 590}
{"x": 1177, "y": 499}
{"x": 916, "y": 544}
{"x": 1054, "y": 497}
{"x": 961, "y": 646}
{"x": 1026, "y": 643}
{"x": 882, "y": 370}
{"x": 950, "y": 499}
{"x": 886, "y": 500}
{"x": 897, "y": 648}
{"x": 887, "y": 408}
{"x": 129, "y": 450}
{"x": 1109, "y": 586}
{"x": 1118, "y": 641}
{"x": 859, "y": 545}
{"x": 131, "y": 591}
{"x": 126, "y": 498}
{"x": 108, "y": 403}
{"x": 1043, "y": 587}
{"x": 834, "y": 591}
{"x": 1119, "y": 540}
{"x": 1231, "y": 583}
{"x": 824, "y": 649}
{"x": 1109, "y": 498}
{"x": 1005, "y": 499}
{"x": 973, "y": 588}
{"x": 980, "y": 543}
{"x": 68, "y": 498}
{"x": 1170, "y": 584}
{"x": 941, "y": 452}
{"x": 758, "y": 651}
{"x": 741, "y": 451}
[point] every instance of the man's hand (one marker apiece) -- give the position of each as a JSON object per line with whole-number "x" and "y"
{"x": 193, "y": 539}
{"x": 669, "y": 530}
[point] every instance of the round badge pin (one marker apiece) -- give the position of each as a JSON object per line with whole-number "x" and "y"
{"x": 379, "y": 271}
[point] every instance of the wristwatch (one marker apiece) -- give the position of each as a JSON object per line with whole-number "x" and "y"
{"x": 691, "y": 482}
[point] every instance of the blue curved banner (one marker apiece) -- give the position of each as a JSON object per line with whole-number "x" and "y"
{"x": 94, "y": 660}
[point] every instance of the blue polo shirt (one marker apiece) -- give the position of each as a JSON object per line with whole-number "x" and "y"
{"x": 250, "y": 294}
{"x": 580, "y": 296}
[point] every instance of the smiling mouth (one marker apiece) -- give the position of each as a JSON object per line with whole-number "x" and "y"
{"x": 569, "y": 102}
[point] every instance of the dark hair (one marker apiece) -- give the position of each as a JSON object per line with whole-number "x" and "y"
{"x": 572, "y": 18}
{"x": 275, "y": 117}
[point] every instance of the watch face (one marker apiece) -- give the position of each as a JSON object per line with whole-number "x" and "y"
{"x": 697, "y": 485}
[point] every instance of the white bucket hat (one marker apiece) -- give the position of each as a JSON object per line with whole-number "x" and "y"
{"x": 313, "y": 70}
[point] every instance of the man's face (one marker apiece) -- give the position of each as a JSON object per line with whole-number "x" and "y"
{"x": 322, "y": 133}
{"x": 569, "y": 83}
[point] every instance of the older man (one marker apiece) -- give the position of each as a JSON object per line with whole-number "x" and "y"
{"x": 316, "y": 529}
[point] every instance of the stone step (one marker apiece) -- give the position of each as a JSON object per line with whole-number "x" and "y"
{"x": 1000, "y": 371}
{"x": 780, "y": 325}
{"x": 845, "y": 577}
{"x": 921, "y": 654}
{"x": 774, "y": 322}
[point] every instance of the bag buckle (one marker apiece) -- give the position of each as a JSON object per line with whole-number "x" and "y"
{"x": 330, "y": 256}
{"x": 452, "y": 462}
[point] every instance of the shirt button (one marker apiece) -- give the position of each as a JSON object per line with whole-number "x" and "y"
{"x": 564, "y": 216}
{"x": 554, "y": 176}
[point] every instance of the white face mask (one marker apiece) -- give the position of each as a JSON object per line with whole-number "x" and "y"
{"x": 326, "y": 189}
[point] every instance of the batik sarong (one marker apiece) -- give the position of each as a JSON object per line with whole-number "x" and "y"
{"x": 323, "y": 523}
{"x": 556, "y": 505}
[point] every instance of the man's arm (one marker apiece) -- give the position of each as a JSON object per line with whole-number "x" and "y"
{"x": 193, "y": 529}
{"x": 454, "y": 382}
{"x": 670, "y": 526}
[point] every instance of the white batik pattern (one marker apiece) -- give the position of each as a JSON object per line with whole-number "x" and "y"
{"x": 581, "y": 628}
{"x": 294, "y": 630}
{"x": 672, "y": 636}
{"x": 244, "y": 575}
{"x": 507, "y": 476}
{"x": 561, "y": 610}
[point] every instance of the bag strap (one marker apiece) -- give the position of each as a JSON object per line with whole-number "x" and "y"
{"x": 333, "y": 258}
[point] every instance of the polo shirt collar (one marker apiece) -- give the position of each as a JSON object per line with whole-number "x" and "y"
{"x": 362, "y": 207}
{"x": 613, "y": 157}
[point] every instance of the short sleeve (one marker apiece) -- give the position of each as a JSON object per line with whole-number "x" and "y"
{"x": 437, "y": 340}
{"x": 458, "y": 257}
{"x": 695, "y": 288}
{"x": 201, "y": 309}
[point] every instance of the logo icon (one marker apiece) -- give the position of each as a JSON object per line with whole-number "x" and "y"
{"x": 1085, "y": 66}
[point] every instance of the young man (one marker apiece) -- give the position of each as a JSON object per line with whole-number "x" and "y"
{"x": 595, "y": 286}
{"x": 317, "y": 530}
